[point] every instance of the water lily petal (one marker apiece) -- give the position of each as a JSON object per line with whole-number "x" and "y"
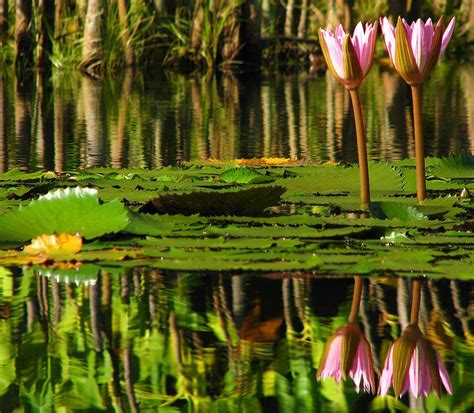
{"x": 444, "y": 376}
{"x": 447, "y": 35}
{"x": 387, "y": 374}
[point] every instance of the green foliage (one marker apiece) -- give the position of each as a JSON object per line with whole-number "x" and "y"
{"x": 63, "y": 210}
{"x": 214, "y": 217}
{"x": 455, "y": 167}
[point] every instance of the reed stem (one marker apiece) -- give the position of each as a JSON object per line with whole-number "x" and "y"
{"x": 361, "y": 148}
{"x": 419, "y": 148}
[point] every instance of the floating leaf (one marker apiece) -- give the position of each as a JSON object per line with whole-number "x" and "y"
{"x": 251, "y": 201}
{"x": 455, "y": 167}
{"x": 394, "y": 210}
{"x": 72, "y": 210}
{"x": 245, "y": 176}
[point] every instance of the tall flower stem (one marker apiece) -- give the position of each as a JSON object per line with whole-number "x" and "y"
{"x": 415, "y": 301}
{"x": 419, "y": 148}
{"x": 361, "y": 148}
{"x": 356, "y": 296}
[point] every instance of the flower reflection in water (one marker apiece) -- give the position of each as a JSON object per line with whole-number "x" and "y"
{"x": 347, "y": 352}
{"x": 412, "y": 362}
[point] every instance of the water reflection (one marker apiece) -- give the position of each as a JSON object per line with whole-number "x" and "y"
{"x": 69, "y": 121}
{"x": 138, "y": 339}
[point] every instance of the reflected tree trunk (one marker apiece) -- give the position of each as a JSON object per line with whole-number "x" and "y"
{"x": 303, "y": 118}
{"x": 45, "y": 122}
{"x": 92, "y": 62}
{"x": 91, "y": 92}
{"x": 117, "y": 142}
{"x": 265, "y": 96}
{"x": 127, "y": 367}
{"x": 58, "y": 130}
{"x": 96, "y": 317}
{"x": 292, "y": 126}
{"x": 45, "y": 32}
{"x": 23, "y": 122}
{"x": 23, "y": 36}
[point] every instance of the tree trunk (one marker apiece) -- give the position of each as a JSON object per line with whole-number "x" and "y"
{"x": 58, "y": 18}
{"x": 470, "y": 23}
{"x": 289, "y": 18}
{"x": 231, "y": 34}
{"x": 303, "y": 19}
{"x": 127, "y": 47}
{"x": 92, "y": 62}
{"x": 23, "y": 37}
{"x": 3, "y": 21}
{"x": 198, "y": 17}
{"x": 45, "y": 30}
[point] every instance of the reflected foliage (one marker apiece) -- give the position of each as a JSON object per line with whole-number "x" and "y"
{"x": 72, "y": 122}
{"x": 140, "y": 340}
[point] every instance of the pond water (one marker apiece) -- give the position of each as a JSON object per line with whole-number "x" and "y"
{"x": 71, "y": 121}
{"x": 142, "y": 340}
{"x": 148, "y": 341}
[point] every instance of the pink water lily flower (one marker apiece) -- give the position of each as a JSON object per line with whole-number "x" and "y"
{"x": 416, "y": 48}
{"x": 349, "y": 58}
{"x": 348, "y": 353}
{"x": 412, "y": 363}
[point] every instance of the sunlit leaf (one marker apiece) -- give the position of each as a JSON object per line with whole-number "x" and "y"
{"x": 72, "y": 210}
{"x": 394, "y": 210}
{"x": 455, "y": 167}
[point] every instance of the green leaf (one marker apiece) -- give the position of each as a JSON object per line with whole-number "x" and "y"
{"x": 455, "y": 167}
{"x": 394, "y": 210}
{"x": 245, "y": 176}
{"x": 69, "y": 210}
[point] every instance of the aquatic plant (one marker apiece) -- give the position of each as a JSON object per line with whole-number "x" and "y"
{"x": 349, "y": 59}
{"x": 415, "y": 50}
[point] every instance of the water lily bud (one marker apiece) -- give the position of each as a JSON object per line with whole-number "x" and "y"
{"x": 349, "y": 58}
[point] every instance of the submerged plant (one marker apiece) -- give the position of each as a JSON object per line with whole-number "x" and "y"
{"x": 349, "y": 59}
{"x": 414, "y": 50}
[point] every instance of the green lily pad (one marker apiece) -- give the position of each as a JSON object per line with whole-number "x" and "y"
{"x": 245, "y": 176}
{"x": 394, "y": 210}
{"x": 72, "y": 210}
{"x": 455, "y": 167}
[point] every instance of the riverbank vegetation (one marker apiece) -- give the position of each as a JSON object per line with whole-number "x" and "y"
{"x": 101, "y": 36}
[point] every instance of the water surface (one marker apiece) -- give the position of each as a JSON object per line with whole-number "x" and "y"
{"x": 70, "y": 121}
{"x": 144, "y": 341}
